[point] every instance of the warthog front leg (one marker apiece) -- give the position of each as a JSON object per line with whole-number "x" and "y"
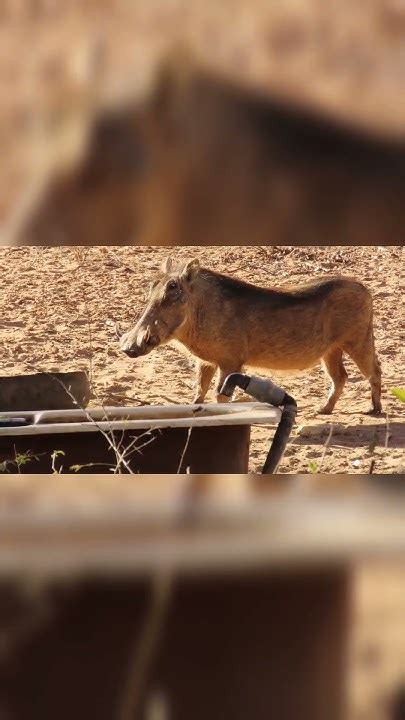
{"x": 205, "y": 373}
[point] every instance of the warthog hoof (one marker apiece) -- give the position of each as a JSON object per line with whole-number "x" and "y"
{"x": 375, "y": 412}
{"x": 325, "y": 410}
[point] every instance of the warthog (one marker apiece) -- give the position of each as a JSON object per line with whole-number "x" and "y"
{"x": 228, "y": 323}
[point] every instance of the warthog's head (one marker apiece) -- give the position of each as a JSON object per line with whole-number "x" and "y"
{"x": 165, "y": 312}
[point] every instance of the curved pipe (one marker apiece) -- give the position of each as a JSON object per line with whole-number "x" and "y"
{"x": 264, "y": 390}
{"x": 281, "y": 436}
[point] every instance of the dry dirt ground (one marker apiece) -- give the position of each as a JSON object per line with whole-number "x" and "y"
{"x": 58, "y": 304}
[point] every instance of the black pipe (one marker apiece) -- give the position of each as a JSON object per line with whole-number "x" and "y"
{"x": 232, "y": 381}
{"x": 264, "y": 390}
{"x": 281, "y": 436}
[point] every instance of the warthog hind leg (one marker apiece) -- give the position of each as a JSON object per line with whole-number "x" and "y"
{"x": 364, "y": 355}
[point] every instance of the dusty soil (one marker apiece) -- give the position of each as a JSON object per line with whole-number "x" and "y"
{"x": 59, "y": 304}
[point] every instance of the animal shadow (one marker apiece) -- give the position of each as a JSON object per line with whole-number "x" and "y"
{"x": 375, "y": 435}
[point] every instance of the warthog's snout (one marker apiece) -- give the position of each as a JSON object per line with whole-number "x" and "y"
{"x": 137, "y": 342}
{"x": 128, "y": 348}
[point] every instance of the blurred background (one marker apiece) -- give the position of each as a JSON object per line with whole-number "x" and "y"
{"x": 167, "y": 122}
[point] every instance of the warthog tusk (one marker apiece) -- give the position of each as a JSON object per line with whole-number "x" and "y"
{"x": 141, "y": 338}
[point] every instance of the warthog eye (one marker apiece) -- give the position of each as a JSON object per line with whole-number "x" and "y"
{"x": 173, "y": 292}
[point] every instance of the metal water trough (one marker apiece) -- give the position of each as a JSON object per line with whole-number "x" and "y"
{"x": 44, "y": 391}
{"x": 208, "y": 438}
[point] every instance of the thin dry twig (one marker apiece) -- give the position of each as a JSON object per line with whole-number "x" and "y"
{"x": 170, "y": 400}
{"x": 86, "y": 305}
{"x": 119, "y": 262}
{"x": 145, "y": 649}
{"x": 325, "y": 447}
{"x": 183, "y": 454}
{"x": 387, "y": 430}
{"x": 109, "y": 435}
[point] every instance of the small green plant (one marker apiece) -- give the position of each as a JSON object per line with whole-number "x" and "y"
{"x": 399, "y": 393}
{"x": 24, "y": 458}
{"x": 20, "y": 459}
{"x": 313, "y": 466}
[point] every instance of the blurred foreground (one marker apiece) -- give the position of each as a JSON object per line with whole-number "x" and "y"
{"x": 193, "y": 596}
{"x": 171, "y": 123}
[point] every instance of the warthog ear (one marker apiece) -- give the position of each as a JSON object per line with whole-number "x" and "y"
{"x": 167, "y": 266}
{"x": 189, "y": 269}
